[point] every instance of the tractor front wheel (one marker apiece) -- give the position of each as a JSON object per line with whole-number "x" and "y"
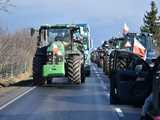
{"x": 38, "y": 62}
{"x": 74, "y": 69}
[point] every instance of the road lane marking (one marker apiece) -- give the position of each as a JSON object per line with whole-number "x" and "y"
{"x": 103, "y": 84}
{"x": 18, "y": 97}
{"x": 94, "y": 68}
{"x": 119, "y": 112}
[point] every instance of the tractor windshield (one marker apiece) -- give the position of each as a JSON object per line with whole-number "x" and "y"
{"x": 58, "y": 35}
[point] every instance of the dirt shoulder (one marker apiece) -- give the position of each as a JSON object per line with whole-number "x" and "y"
{"x": 14, "y": 80}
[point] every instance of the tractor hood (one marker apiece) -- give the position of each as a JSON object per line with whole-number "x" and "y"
{"x": 55, "y": 60}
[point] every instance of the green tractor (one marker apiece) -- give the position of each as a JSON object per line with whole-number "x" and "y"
{"x": 60, "y": 53}
{"x": 108, "y": 47}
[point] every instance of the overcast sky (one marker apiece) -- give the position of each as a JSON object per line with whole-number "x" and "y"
{"x": 105, "y": 17}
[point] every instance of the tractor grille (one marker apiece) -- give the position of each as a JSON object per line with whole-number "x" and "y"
{"x": 54, "y": 59}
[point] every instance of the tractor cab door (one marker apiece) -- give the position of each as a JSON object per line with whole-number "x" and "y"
{"x": 132, "y": 77}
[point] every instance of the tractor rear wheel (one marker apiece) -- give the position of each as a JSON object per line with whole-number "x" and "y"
{"x": 38, "y": 62}
{"x": 74, "y": 69}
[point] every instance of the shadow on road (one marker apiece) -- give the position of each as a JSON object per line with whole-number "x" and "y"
{"x": 24, "y": 83}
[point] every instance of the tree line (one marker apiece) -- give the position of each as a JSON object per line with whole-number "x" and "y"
{"x": 16, "y": 53}
{"x": 17, "y": 47}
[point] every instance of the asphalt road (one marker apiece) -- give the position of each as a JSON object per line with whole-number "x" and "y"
{"x": 89, "y": 101}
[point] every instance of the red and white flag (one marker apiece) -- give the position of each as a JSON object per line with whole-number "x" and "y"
{"x": 139, "y": 49}
{"x": 125, "y": 29}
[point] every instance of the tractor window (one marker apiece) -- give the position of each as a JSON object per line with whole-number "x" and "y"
{"x": 77, "y": 35}
{"x": 150, "y": 43}
{"x": 58, "y": 35}
{"x": 42, "y": 35}
{"x": 119, "y": 44}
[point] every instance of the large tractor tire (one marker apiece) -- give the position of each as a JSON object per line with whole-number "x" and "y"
{"x": 38, "y": 62}
{"x": 74, "y": 69}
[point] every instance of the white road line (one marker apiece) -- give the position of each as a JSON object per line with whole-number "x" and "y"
{"x": 94, "y": 68}
{"x": 18, "y": 97}
{"x": 102, "y": 84}
{"x": 119, "y": 112}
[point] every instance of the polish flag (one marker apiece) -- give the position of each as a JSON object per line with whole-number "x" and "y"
{"x": 139, "y": 49}
{"x": 125, "y": 29}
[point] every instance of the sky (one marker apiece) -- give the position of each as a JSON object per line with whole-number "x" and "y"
{"x": 105, "y": 17}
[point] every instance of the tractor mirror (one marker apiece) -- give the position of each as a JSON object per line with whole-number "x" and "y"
{"x": 32, "y": 30}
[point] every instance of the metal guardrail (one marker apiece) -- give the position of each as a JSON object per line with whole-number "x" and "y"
{"x": 12, "y": 70}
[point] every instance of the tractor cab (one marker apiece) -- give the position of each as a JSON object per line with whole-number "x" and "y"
{"x": 146, "y": 40}
{"x": 63, "y": 33}
{"x": 87, "y": 45}
{"x": 116, "y": 43}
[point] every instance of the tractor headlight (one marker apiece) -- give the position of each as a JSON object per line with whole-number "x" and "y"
{"x": 50, "y": 53}
{"x": 50, "y": 59}
{"x": 50, "y": 56}
{"x": 59, "y": 53}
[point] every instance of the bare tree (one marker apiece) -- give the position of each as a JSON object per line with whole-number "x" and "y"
{"x": 17, "y": 48}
